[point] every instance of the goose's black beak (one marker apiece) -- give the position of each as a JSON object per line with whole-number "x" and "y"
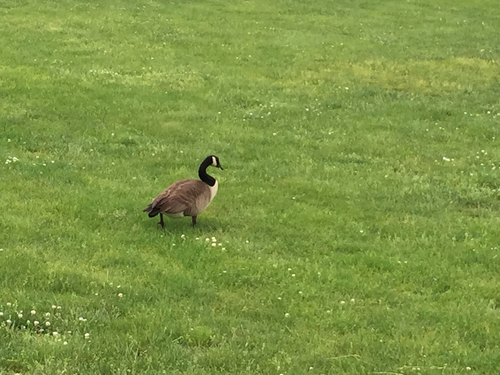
{"x": 220, "y": 166}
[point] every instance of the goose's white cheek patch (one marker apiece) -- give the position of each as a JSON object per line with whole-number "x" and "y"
{"x": 214, "y": 161}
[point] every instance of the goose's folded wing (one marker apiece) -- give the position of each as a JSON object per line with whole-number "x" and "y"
{"x": 179, "y": 196}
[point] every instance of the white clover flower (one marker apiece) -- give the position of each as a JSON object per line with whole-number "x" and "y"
{"x": 20, "y": 315}
{"x": 59, "y": 307}
{"x": 183, "y": 236}
{"x": 54, "y": 306}
{"x": 47, "y": 324}
{"x": 47, "y": 314}
{"x": 8, "y": 321}
{"x": 87, "y": 335}
{"x": 207, "y": 239}
{"x": 214, "y": 239}
{"x": 1, "y": 313}
{"x": 9, "y": 304}
{"x": 33, "y": 312}
{"x": 36, "y": 323}
{"x": 287, "y": 315}
{"x": 120, "y": 295}
{"x": 54, "y": 333}
{"x": 352, "y": 300}
{"x": 214, "y": 244}
{"x": 342, "y": 302}
{"x": 65, "y": 343}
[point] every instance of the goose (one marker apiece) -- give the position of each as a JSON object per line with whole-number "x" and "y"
{"x": 187, "y": 197}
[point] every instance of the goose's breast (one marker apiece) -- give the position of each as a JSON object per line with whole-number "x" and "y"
{"x": 203, "y": 199}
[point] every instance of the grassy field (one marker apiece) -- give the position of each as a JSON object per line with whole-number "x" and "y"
{"x": 356, "y": 228}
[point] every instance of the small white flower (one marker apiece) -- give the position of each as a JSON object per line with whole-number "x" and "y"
{"x": 214, "y": 244}
{"x": 54, "y": 333}
{"x": 293, "y": 275}
{"x": 47, "y": 324}
{"x": 214, "y": 239}
{"x": 183, "y": 236}
{"x": 219, "y": 244}
{"x": 468, "y": 368}
{"x": 287, "y": 315}
{"x": 87, "y": 335}
{"x": 207, "y": 239}
{"x": 120, "y": 295}
{"x": 8, "y": 321}
{"x": 342, "y": 302}
{"x": 65, "y": 343}
{"x": 36, "y": 322}
{"x": 289, "y": 269}
{"x": 352, "y": 300}
{"x": 47, "y": 314}
{"x": 20, "y": 315}
{"x": 81, "y": 319}
{"x": 33, "y": 312}
{"x": 246, "y": 241}
{"x": 54, "y": 306}
{"x": 1, "y": 313}
{"x": 59, "y": 307}
{"x": 445, "y": 158}
{"x": 9, "y": 304}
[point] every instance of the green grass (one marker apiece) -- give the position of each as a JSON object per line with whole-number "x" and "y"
{"x": 358, "y": 209}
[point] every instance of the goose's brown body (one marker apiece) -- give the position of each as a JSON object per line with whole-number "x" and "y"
{"x": 187, "y": 197}
{"x": 183, "y": 198}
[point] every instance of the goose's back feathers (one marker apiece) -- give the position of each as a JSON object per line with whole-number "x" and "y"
{"x": 183, "y": 198}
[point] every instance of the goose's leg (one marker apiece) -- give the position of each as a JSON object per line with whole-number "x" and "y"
{"x": 193, "y": 220}
{"x": 161, "y": 223}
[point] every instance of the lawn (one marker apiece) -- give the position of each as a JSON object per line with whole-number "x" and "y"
{"x": 356, "y": 227}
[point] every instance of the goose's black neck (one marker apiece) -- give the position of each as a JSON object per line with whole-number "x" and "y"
{"x": 202, "y": 172}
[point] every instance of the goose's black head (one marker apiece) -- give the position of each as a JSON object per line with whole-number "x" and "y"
{"x": 215, "y": 161}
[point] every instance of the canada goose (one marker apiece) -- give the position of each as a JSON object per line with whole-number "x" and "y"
{"x": 187, "y": 197}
